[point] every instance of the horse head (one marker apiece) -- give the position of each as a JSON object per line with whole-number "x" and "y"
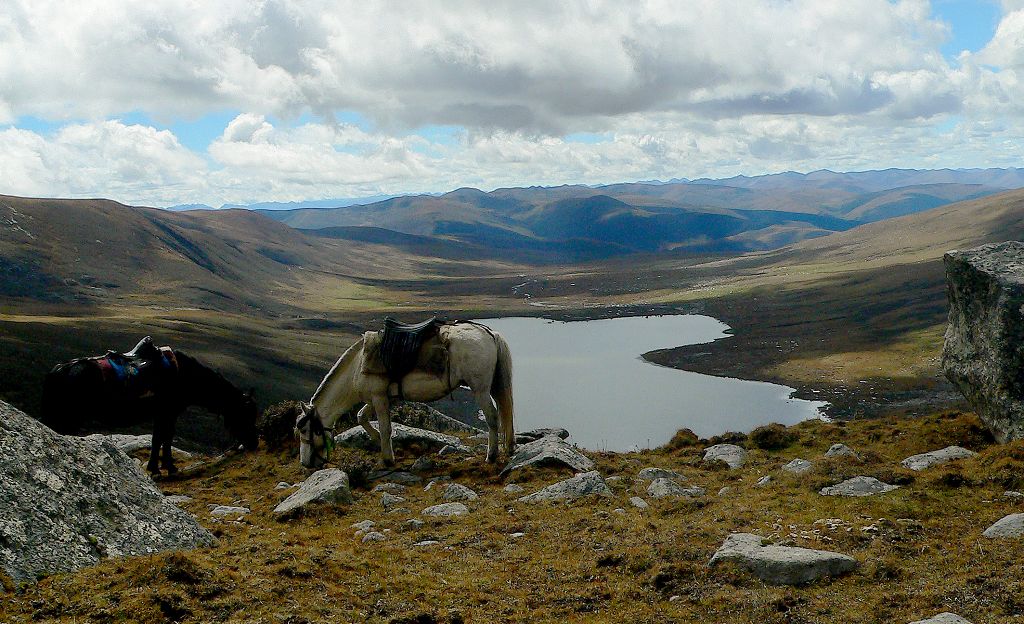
{"x": 240, "y": 421}
{"x": 315, "y": 441}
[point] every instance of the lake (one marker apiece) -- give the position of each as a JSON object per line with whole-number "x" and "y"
{"x": 589, "y": 377}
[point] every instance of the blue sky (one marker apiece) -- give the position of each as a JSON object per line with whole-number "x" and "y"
{"x": 288, "y": 100}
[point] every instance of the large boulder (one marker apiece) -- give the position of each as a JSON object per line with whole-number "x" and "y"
{"x": 582, "y": 485}
{"x": 935, "y": 458}
{"x": 67, "y": 502}
{"x": 1007, "y": 526}
{"x": 983, "y": 353}
{"x": 402, "y": 437}
{"x": 734, "y": 456}
{"x": 326, "y": 486}
{"x": 549, "y": 451}
{"x": 858, "y": 486}
{"x": 781, "y": 565}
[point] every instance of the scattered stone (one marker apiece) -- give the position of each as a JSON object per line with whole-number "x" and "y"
{"x": 516, "y": 535}
{"x": 425, "y": 543}
{"x": 283, "y": 485}
{"x": 423, "y": 464}
{"x": 1008, "y": 526}
{"x": 514, "y": 488}
{"x": 413, "y": 524}
{"x": 943, "y": 618}
{"x": 650, "y": 474}
{"x": 934, "y": 458}
{"x": 446, "y": 510}
{"x": 457, "y": 492}
{"x": 585, "y": 484}
{"x": 619, "y": 510}
{"x": 373, "y": 536}
{"x": 781, "y": 565}
{"x": 662, "y": 488}
{"x": 525, "y": 437}
{"x": 858, "y": 486}
{"x": 981, "y": 354}
{"x": 763, "y": 481}
{"x": 394, "y": 476}
{"x": 731, "y": 454}
{"x": 400, "y": 510}
{"x": 436, "y": 481}
{"x": 365, "y": 525}
{"x": 402, "y": 437}
{"x": 390, "y": 488}
{"x": 798, "y": 466}
{"x": 725, "y": 490}
{"x": 66, "y": 502}
{"x": 638, "y": 502}
{"x": 177, "y": 499}
{"x": 548, "y": 451}
{"x": 1014, "y": 496}
{"x": 222, "y": 511}
{"x": 448, "y": 450}
{"x": 329, "y": 485}
{"x": 388, "y": 501}
{"x": 841, "y": 450}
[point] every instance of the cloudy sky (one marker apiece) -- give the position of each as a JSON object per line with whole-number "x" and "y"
{"x": 170, "y": 102}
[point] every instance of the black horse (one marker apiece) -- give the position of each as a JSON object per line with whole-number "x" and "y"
{"x": 119, "y": 389}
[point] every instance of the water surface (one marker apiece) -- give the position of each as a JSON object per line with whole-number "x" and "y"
{"x": 588, "y": 377}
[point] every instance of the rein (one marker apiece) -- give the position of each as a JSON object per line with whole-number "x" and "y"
{"x": 316, "y": 428}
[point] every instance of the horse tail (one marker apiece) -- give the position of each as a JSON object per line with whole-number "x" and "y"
{"x": 501, "y": 391}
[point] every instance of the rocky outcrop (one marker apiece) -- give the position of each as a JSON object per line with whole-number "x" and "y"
{"x": 329, "y": 485}
{"x": 858, "y": 486}
{"x": 935, "y": 458}
{"x": 67, "y": 502}
{"x": 1007, "y": 526}
{"x": 549, "y": 451}
{"x": 580, "y": 486}
{"x": 422, "y": 416}
{"x": 781, "y": 565}
{"x": 734, "y": 456}
{"x": 402, "y": 437}
{"x": 983, "y": 353}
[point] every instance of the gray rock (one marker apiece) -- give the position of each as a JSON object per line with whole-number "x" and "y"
{"x": 525, "y": 437}
{"x": 425, "y": 543}
{"x": 413, "y": 524}
{"x": 763, "y": 481}
{"x": 178, "y": 499}
{"x": 282, "y": 485}
{"x": 223, "y": 511}
{"x": 1008, "y": 526}
{"x": 548, "y": 451}
{"x": 389, "y": 501}
{"x": 67, "y": 502}
{"x": 982, "y": 354}
{"x": 650, "y": 474}
{"x": 446, "y": 510}
{"x": 326, "y": 486}
{"x": 934, "y": 458}
{"x": 390, "y": 488}
{"x": 841, "y": 450}
{"x": 858, "y": 486}
{"x": 731, "y": 454}
{"x": 394, "y": 476}
{"x": 435, "y": 482}
{"x": 374, "y": 536}
{"x": 1014, "y": 496}
{"x": 400, "y": 510}
{"x": 586, "y": 484}
{"x": 725, "y": 490}
{"x": 365, "y": 525}
{"x": 638, "y": 502}
{"x": 513, "y": 488}
{"x": 457, "y": 492}
{"x": 449, "y": 450}
{"x": 402, "y": 437}
{"x": 943, "y": 618}
{"x": 798, "y": 466}
{"x": 131, "y": 443}
{"x": 781, "y": 565}
{"x": 662, "y": 488}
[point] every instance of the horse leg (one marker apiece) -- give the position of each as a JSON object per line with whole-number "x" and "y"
{"x": 154, "y": 450}
{"x": 168, "y": 439}
{"x": 382, "y": 409}
{"x": 483, "y": 399}
{"x": 364, "y": 415}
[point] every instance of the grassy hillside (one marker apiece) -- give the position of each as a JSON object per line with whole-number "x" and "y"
{"x": 919, "y": 548}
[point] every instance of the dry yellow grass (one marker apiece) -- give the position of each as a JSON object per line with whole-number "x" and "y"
{"x": 920, "y": 547}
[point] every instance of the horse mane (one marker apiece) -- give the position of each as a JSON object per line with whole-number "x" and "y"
{"x": 345, "y": 358}
{"x": 216, "y": 384}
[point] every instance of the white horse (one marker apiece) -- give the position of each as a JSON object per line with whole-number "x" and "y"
{"x": 477, "y": 357}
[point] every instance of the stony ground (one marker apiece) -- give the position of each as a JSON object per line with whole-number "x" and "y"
{"x": 920, "y": 547}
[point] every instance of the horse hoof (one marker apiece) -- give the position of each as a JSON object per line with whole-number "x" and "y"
{"x": 171, "y": 470}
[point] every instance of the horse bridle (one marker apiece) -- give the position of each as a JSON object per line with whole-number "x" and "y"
{"x": 316, "y": 428}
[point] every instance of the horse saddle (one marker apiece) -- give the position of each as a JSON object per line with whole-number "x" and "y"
{"x": 398, "y": 349}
